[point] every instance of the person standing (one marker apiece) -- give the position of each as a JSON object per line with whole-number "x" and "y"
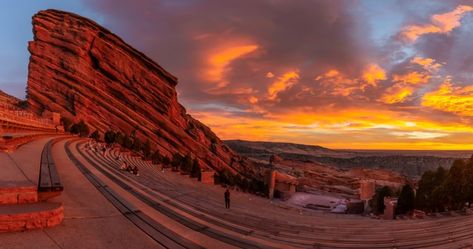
{"x": 227, "y": 198}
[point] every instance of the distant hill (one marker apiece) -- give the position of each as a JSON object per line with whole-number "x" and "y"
{"x": 259, "y": 149}
{"x": 411, "y": 163}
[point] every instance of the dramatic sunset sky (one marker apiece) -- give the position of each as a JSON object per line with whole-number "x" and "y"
{"x": 372, "y": 74}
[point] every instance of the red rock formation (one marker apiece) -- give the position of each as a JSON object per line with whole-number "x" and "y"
{"x": 7, "y": 100}
{"x": 84, "y": 71}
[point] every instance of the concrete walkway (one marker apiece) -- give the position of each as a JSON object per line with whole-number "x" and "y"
{"x": 11, "y": 175}
{"x": 28, "y": 158}
{"x": 90, "y": 220}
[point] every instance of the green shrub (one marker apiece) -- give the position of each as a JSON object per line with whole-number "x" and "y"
{"x": 66, "y": 123}
{"x": 95, "y": 135}
{"x": 110, "y": 137}
{"x": 195, "y": 172}
{"x": 80, "y": 128}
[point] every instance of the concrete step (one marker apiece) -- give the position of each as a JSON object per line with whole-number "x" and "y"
{"x": 15, "y": 187}
{"x": 21, "y": 217}
{"x": 18, "y": 194}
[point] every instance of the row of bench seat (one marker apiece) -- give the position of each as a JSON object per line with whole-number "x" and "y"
{"x": 335, "y": 233}
{"x": 49, "y": 184}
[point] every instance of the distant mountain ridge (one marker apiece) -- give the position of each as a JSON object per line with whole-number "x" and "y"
{"x": 271, "y": 148}
{"x": 411, "y": 163}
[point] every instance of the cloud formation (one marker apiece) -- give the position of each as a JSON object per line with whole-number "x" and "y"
{"x": 450, "y": 98}
{"x": 439, "y": 23}
{"x": 311, "y": 71}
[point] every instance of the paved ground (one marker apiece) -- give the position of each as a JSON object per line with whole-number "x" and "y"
{"x": 90, "y": 220}
{"x": 28, "y": 157}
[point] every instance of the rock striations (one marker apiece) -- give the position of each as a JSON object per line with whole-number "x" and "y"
{"x": 84, "y": 71}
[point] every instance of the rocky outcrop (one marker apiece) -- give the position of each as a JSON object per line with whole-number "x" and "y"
{"x": 7, "y": 100}
{"x": 84, "y": 71}
{"x": 333, "y": 179}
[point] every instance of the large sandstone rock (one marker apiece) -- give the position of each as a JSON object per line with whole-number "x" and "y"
{"x": 84, "y": 71}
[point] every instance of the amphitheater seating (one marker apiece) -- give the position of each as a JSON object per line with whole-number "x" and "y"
{"x": 255, "y": 222}
{"x": 19, "y": 120}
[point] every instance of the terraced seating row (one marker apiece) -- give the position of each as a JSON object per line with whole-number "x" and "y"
{"x": 24, "y": 121}
{"x": 162, "y": 235}
{"x": 163, "y": 206}
{"x": 268, "y": 222}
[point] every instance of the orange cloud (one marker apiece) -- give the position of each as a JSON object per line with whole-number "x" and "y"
{"x": 456, "y": 100}
{"x": 428, "y": 64}
{"x": 253, "y": 100}
{"x": 282, "y": 83}
{"x": 373, "y": 74}
{"x": 440, "y": 23}
{"x": 414, "y": 78}
{"x": 220, "y": 60}
{"x": 342, "y": 85}
{"x": 396, "y": 94}
{"x": 404, "y": 86}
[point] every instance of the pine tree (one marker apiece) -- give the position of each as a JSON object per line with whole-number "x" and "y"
{"x": 136, "y": 145}
{"x": 147, "y": 149}
{"x": 406, "y": 200}
{"x": 195, "y": 172}
{"x": 109, "y": 137}
{"x": 95, "y": 135}
{"x": 379, "y": 198}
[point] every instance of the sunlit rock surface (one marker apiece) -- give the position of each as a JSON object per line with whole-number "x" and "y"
{"x": 84, "y": 71}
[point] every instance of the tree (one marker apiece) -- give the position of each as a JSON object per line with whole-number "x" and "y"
{"x": 176, "y": 161}
{"x": 166, "y": 161}
{"x": 95, "y": 135}
{"x": 186, "y": 164}
{"x": 66, "y": 123}
{"x": 127, "y": 142}
{"x": 379, "y": 198}
{"x": 468, "y": 178}
{"x": 424, "y": 192}
{"x": 156, "y": 157}
{"x": 431, "y": 193}
{"x": 22, "y": 104}
{"x": 136, "y": 145}
{"x": 119, "y": 137}
{"x": 195, "y": 172}
{"x": 406, "y": 200}
{"x": 80, "y": 128}
{"x": 455, "y": 185}
{"x": 147, "y": 149}
{"x": 110, "y": 137}
{"x": 245, "y": 184}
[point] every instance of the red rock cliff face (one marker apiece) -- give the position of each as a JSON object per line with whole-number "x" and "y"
{"x": 84, "y": 71}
